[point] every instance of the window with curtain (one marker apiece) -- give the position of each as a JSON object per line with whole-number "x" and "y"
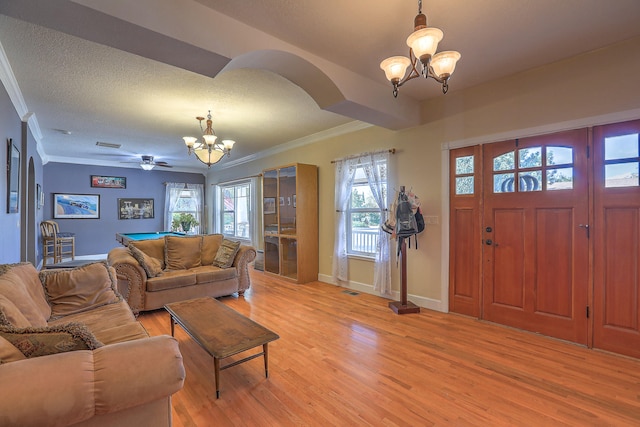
{"x": 183, "y": 207}
{"x": 361, "y": 200}
{"x": 236, "y": 210}
{"x": 363, "y": 217}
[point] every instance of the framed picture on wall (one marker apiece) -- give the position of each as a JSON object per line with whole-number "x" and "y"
{"x": 39, "y": 197}
{"x": 77, "y": 206}
{"x": 100, "y": 181}
{"x": 13, "y": 177}
{"x": 135, "y": 208}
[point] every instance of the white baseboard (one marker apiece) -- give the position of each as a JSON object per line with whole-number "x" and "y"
{"x": 366, "y": 288}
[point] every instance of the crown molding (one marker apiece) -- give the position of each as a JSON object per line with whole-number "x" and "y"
{"x": 300, "y": 142}
{"x": 11, "y": 85}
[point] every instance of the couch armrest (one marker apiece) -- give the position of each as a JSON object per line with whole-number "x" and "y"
{"x": 68, "y": 388}
{"x": 132, "y": 279}
{"x": 245, "y": 255}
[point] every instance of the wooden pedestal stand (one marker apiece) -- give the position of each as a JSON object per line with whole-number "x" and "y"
{"x": 403, "y": 306}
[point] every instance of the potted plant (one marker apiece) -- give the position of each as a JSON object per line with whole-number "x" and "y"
{"x": 183, "y": 221}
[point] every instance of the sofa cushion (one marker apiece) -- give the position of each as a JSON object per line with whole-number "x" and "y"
{"x": 226, "y": 253}
{"x": 182, "y": 253}
{"x": 171, "y": 279}
{"x": 209, "y": 273}
{"x": 152, "y": 247}
{"x": 152, "y": 266}
{"x": 210, "y": 245}
{"x": 28, "y": 275}
{"x": 10, "y": 315}
{"x": 34, "y": 342}
{"x": 79, "y": 289}
{"x": 18, "y": 305}
{"x": 122, "y": 324}
{"x": 9, "y": 352}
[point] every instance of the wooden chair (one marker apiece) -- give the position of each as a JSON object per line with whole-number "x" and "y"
{"x": 56, "y": 244}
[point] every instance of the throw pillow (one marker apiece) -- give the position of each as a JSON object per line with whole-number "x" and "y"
{"x": 226, "y": 253}
{"x": 210, "y": 245}
{"x": 9, "y": 352}
{"x": 34, "y": 342}
{"x": 152, "y": 247}
{"x": 151, "y": 265}
{"x": 182, "y": 253}
{"x": 75, "y": 290}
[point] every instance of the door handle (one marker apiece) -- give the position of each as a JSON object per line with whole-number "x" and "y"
{"x": 586, "y": 228}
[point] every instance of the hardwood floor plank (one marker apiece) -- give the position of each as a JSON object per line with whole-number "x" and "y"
{"x": 348, "y": 360}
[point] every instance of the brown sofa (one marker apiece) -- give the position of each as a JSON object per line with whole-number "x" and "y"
{"x": 72, "y": 352}
{"x": 152, "y": 273}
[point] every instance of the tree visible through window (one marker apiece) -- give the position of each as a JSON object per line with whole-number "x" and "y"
{"x": 236, "y": 209}
{"x": 363, "y": 216}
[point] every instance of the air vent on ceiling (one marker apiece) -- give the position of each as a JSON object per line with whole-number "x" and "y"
{"x": 108, "y": 144}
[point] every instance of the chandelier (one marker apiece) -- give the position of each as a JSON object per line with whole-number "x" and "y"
{"x": 208, "y": 151}
{"x": 423, "y": 43}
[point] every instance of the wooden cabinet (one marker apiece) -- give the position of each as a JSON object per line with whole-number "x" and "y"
{"x": 290, "y": 218}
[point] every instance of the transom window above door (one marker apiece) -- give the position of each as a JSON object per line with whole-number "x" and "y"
{"x": 542, "y": 168}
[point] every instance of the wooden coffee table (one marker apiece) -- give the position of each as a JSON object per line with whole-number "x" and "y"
{"x": 220, "y": 331}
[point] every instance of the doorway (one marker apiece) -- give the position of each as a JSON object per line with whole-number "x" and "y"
{"x": 544, "y": 236}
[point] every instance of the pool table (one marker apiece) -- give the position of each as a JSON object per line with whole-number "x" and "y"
{"x": 125, "y": 238}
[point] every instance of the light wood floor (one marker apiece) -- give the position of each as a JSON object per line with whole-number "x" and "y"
{"x": 348, "y": 360}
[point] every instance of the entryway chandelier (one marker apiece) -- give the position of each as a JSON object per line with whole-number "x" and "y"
{"x": 208, "y": 151}
{"x": 423, "y": 43}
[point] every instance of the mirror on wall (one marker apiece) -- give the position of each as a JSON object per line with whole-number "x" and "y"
{"x": 13, "y": 177}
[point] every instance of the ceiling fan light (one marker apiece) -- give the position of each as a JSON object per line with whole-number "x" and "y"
{"x": 424, "y": 41}
{"x": 444, "y": 63}
{"x": 395, "y": 67}
{"x": 147, "y": 166}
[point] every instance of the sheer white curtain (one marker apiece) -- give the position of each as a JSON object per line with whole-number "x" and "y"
{"x": 345, "y": 174}
{"x": 173, "y": 202}
{"x": 375, "y": 168}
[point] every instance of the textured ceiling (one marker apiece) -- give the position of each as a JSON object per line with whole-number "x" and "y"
{"x": 138, "y": 73}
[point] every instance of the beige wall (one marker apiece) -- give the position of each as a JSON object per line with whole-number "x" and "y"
{"x": 594, "y": 88}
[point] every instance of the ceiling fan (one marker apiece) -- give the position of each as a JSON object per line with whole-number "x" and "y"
{"x": 147, "y": 163}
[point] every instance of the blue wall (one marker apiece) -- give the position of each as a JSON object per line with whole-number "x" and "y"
{"x": 97, "y": 236}
{"x": 11, "y": 126}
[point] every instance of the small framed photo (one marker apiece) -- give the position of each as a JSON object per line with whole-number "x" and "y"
{"x": 294, "y": 200}
{"x": 269, "y": 205}
{"x": 281, "y": 201}
{"x": 135, "y": 208}
{"x": 100, "y": 181}
{"x": 39, "y": 196}
{"x": 76, "y": 206}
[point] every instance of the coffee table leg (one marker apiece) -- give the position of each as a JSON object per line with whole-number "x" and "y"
{"x": 173, "y": 324}
{"x": 265, "y": 350}
{"x": 216, "y": 373}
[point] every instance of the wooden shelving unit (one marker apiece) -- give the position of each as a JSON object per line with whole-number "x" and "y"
{"x": 290, "y": 218}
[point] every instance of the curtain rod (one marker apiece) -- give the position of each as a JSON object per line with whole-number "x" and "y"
{"x": 237, "y": 180}
{"x": 390, "y": 150}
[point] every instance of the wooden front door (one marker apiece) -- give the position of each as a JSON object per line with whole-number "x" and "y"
{"x": 535, "y": 232}
{"x": 617, "y": 238}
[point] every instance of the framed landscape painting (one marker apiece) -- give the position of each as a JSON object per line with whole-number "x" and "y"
{"x": 77, "y": 206}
